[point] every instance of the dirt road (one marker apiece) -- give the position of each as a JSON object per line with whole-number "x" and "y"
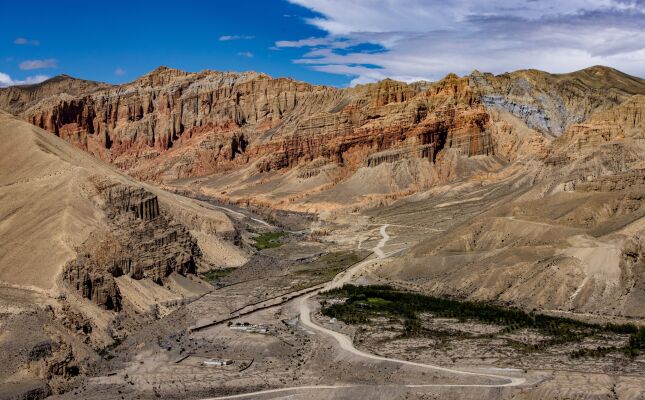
{"x": 346, "y": 344}
{"x": 242, "y": 215}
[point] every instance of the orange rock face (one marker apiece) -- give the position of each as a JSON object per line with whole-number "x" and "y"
{"x": 171, "y": 124}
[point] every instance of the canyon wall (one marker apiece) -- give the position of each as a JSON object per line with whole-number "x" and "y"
{"x": 220, "y": 120}
{"x": 143, "y": 241}
{"x": 171, "y": 126}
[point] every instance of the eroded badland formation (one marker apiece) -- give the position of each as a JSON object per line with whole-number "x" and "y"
{"x": 152, "y": 229}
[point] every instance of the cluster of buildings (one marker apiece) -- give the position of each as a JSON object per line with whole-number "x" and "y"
{"x": 250, "y": 328}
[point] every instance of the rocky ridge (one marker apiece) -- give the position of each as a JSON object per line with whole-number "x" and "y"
{"x": 15, "y": 99}
{"x": 143, "y": 242}
{"x": 170, "y": 124}
{"x": 550, "y": 103}
{"x": 89, "y": 255}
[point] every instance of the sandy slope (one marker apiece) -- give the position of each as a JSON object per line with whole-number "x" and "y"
{"x": 44, "y": 209}
{"x": 48, "y": 206}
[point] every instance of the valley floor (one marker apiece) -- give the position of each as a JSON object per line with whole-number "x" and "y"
{"x": 265, "y": 317}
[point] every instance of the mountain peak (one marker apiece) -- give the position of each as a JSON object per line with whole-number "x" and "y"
{"x": 600, "y": 69}
{"x": 161, "y": 69}
{"x": 60, "y": 78}
{"x": 161, "y": 76}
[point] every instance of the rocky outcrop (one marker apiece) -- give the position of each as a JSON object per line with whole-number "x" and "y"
{"x": 611, "y": 183}
{"x": 16, "y": 99}
{"x": 143, "y": 242}
{"x": 170, "y": 125}
{"x": 143, "y": 204}
{"x": 617, "y": 124}
{"x": 551, "y": 103}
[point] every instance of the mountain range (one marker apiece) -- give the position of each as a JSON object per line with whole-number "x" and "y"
{"x": 524, "y": 189}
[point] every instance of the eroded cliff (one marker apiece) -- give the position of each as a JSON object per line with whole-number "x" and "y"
{"x": 141, "y": 241}
{"x": 175, "y": 127}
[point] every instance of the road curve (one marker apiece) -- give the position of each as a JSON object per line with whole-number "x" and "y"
{"x": 346, "y": 343}
{"x": 239, "y": 214}
{"x": 348, "y": 275}
{"x": 378, "y": 250}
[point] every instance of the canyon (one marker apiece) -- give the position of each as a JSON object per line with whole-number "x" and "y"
{"x": 87, "y": 241}
{"x": 140, "y": 222}
{"x": 295, "y": 138}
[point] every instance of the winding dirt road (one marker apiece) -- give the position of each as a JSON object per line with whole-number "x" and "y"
{"x": 242, "y": 215}
{"x": 346, "y": 344}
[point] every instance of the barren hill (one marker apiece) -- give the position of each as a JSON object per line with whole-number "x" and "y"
{"x": 524, "y": 189}
{"x": 289, "y": 144}
{"x": 83, "y": 245}
{"x": 15, "y": 99}
{"x": 565, "y": 233}
{"x": 59, "y": 196}
{"x": 550, "y": 103}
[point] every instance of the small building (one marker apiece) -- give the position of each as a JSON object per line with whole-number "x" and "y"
{"x": 250, "y": 328}
{"x": 217, "y": 363}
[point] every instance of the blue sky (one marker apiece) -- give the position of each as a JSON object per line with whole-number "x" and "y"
{"x": 334, "y": 42}
{"x": 117, "y": 41}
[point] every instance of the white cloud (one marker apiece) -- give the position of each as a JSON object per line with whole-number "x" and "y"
{"x": 5, "y": 80}
{"x": 428, "y": 39}
{"x": 119, "y": 72}
{"x": 38, "y": 64}
{"x": 246, "y": 54}
{"x": 25, "y": 41}
{"x": 226, "y": 38}
{"x": 310, "y": 42}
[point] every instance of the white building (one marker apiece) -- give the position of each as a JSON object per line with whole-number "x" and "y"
{"x": 217, "y": 363}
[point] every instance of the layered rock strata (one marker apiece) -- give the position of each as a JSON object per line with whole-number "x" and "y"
{"x": 170, "y": 125}
{"x": 143, "y": 242}
{"x": 200, "y": 123}
{"x": 551, "y": 103}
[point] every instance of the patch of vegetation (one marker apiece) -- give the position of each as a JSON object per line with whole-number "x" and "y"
{"x": 214, "y": 275}
{"x": 331, "y": 264}
{"x": 377, "y": 301}
{"x": 594, "y": 353}
{"x": 635, "y": 347}
{"x": 326, "y": 267}
{"x": 269, "y": 240}
{"x": 365, "y": 302}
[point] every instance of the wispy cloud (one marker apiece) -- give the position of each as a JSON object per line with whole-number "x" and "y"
{"x": 25, "y": 41}
{"x": 119, "y": 72}
{"x": 38, "y": 64}
{"x": 246, "y": 54}
{"x": 226, "y": 38}
{"x": 428, "y": 39}
{"x": 6, "y": 80}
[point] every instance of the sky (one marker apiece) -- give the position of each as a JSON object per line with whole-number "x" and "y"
{"x": 331, "y": 42}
